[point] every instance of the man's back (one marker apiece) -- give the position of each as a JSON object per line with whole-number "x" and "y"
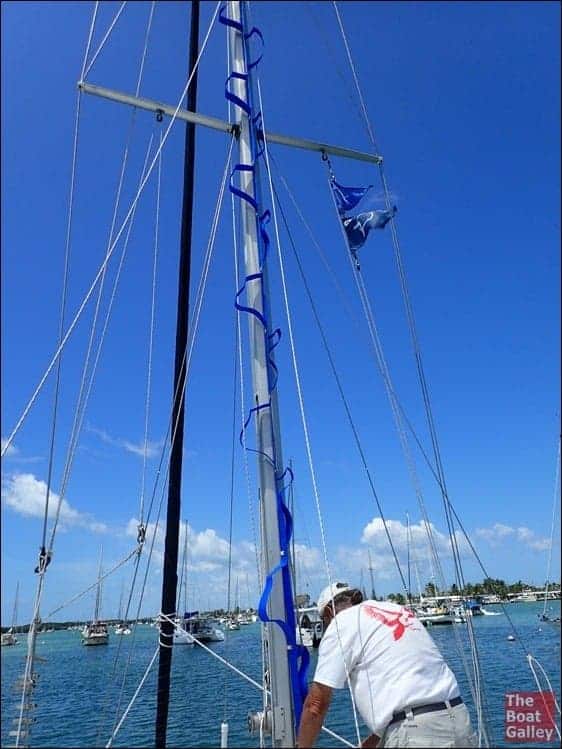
{"x": 391, "y": 660}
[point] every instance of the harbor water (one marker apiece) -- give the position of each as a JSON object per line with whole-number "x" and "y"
{"x": 82, "y": 692}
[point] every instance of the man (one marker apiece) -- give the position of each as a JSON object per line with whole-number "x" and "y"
{"x": 401, "y": 685}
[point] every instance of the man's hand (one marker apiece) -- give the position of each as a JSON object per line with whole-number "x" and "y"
{"x": 313, "y": 712}
{"x": 371, "y": 741}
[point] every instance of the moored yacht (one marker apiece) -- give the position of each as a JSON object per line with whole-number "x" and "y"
{"x": 96, "y": 632}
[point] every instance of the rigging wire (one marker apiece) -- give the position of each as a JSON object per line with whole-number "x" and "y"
{"x": 194, "y": 326}
{"x": 65, "y": 282}
{"x": 531, "y": 660}
{"x": 93, "y": 585}
{"x": 340, "y": 389}
{"x": 243, "y": 676}
{"x": 9, "y": 440}
{"x": 29, "y": 661}
{"x": 86, "y": 389}
{"x": 231, "y": 504}
{"x": 403, "y": 414}
{"x": 61, "y": 323}
{"x": 554, "y": 502}
{"x": 43, "y": 557}
{"x": 133, "y": 698}
{"x": 151, "y": 342}
{"x": 318, "y": 26}
{"x": 300, "y": 393}
{"x": 425, "y": 393}
{"x": 83, "y": 398}
{"x": 378, "y": 350}
{"x": 103, "y": 41}
{"x": 90, "y": 36}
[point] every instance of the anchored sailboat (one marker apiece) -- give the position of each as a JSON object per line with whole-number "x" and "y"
{"x": 122, "y": 628}
{"x": 9, "y": 637}
{"x": 96, "y": 632}
{"x": 544, "y": 616}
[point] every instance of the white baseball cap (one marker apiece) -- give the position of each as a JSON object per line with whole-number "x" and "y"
{"x": 329, "y": 593}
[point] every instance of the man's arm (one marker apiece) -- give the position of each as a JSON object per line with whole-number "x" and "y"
{"x": 314, "y": 710}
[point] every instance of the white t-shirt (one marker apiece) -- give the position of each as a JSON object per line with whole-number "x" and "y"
{"x": 391, "y": 660}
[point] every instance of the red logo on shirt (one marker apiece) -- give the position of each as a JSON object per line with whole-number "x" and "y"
{"x": 398, "y": 622}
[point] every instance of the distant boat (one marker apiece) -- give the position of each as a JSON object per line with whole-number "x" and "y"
{"x": 431, "y": 616}
{"x": 309, "y": 627}
{"x": 96, "y": 632}
{"x": 544, "y": 617}
{"x": 549, "y": 619}
{"x": 181, "y": 635}
{"x": 122, "y": 628}
{"x": 203, "y": 630}
{"x": 9, "y": 637}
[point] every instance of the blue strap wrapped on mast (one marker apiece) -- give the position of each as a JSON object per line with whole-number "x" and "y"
{"x": 298, "y": 656}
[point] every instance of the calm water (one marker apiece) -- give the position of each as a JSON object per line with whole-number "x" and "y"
{"x": 78, "y": 692}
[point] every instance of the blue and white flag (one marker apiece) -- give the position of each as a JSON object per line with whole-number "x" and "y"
{"x": 357, "y": 227}
{"x": 348, "y": 197}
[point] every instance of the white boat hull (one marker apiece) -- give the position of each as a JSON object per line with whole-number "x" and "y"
{"x": 95, "y": 640}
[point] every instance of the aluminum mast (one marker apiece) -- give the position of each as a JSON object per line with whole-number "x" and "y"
{"x": 281, "y": 709}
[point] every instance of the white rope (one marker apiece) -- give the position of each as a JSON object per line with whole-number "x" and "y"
{"x": 151, "y": 339}
{"x": 301, "y": 403}
{"x": 530, "y": 660}
{"x": 134, "y": 697}
{"x": 554, "y": 502}
{"x": 104, "y": 40}
{"x": 112, "y": 248}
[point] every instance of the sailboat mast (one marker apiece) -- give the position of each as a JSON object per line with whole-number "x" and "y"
{"x": 373, "y": 594}
{"x": 408, "y": 542}
{"x": 170, "y": 574}
{"x": 184, "y": 573}
{"x": 15, "y": 612}
{"x": 120, "y": 612}
{"x": 98, "y": 589}
{"x": 282, "y": 712}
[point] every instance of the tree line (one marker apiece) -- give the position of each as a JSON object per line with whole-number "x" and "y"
{"x": 489, "y": 586}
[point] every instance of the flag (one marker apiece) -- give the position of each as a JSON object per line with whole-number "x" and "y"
{"x": 357, "y": 227}
{"x": 347, "y": 197}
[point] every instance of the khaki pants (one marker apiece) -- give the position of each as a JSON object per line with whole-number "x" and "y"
{"x": 443, "y": 728}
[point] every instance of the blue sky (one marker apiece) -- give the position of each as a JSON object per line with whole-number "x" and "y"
{"x": 464, "y": 99}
